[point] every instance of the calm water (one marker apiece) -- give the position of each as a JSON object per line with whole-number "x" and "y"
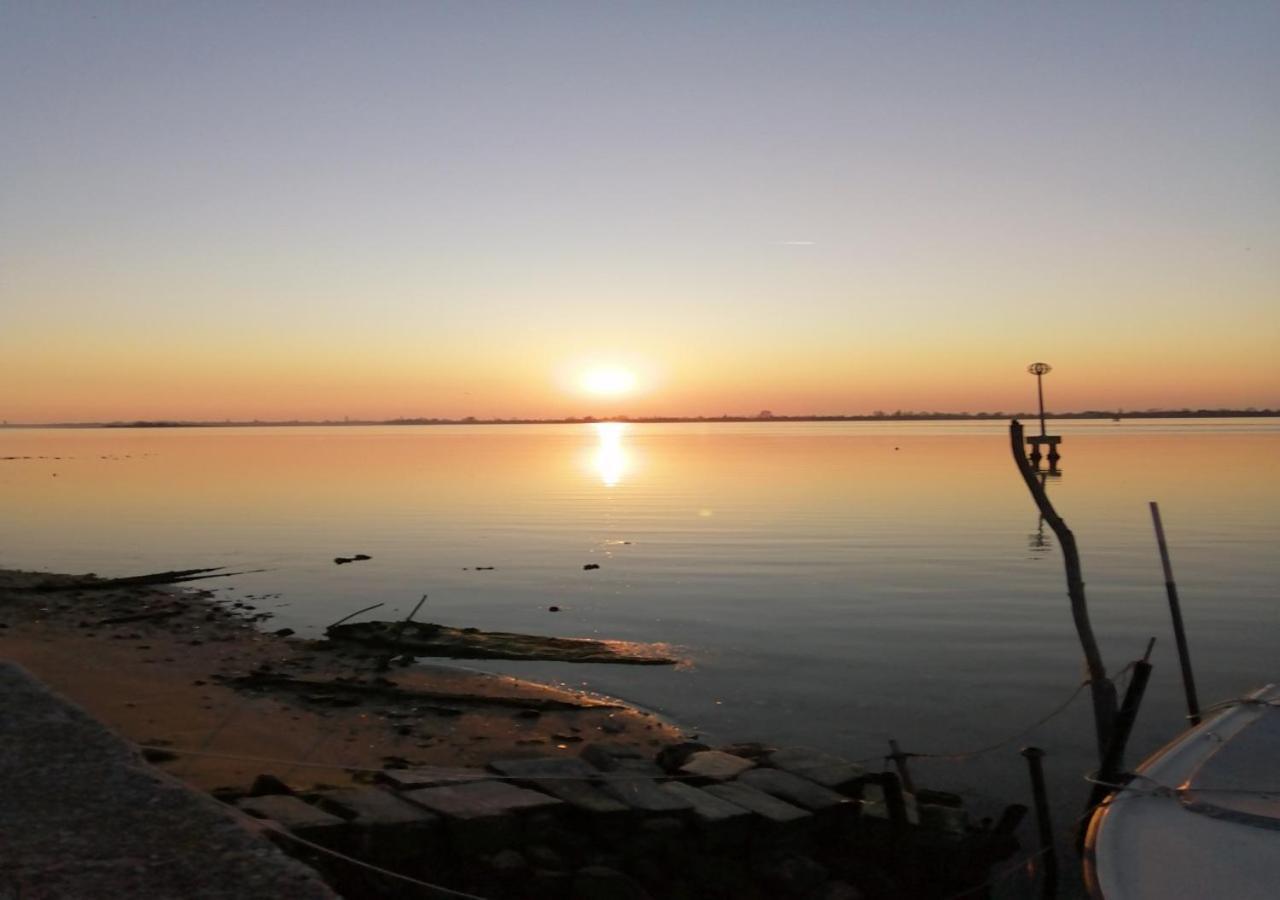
{"x": 832, "y": 584}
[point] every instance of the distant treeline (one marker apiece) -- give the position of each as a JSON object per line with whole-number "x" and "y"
{"x": 898, "y": 415}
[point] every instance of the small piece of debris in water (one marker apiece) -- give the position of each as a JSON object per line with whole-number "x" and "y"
{"x": 589, "y": 566}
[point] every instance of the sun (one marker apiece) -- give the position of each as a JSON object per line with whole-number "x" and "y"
{"x": 608, "y": 381}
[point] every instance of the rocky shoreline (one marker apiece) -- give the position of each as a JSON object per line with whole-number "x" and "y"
{"x": 487, "y": 785}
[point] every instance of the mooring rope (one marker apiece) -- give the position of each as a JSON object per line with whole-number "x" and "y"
{"x": 955, "y": 757}
{"x": 275, "y": 828}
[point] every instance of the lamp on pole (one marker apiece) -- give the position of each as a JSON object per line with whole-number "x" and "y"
{"x": 1040, "y": 369}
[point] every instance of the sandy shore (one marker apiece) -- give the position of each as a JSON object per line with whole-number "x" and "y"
{"x": 169, "y": 681}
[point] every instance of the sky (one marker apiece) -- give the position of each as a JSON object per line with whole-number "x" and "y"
{"x": 318, "y": 210}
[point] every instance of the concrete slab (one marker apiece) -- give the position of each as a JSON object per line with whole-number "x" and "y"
{"x": 85, "y": 817}
{"x": 644, "y": 795}
{"x": 480, "y": 800}
{"x": 715, "y": 765}
{"x": 832, "y": 772}
{"x": 708, "y": 809}
{"x": 297, "y": 816}
{"x": 373, "y": 807}
{"x": 796, "y": 790}
{"x": 765, "y": 805}
{"x": 430, "y": 776}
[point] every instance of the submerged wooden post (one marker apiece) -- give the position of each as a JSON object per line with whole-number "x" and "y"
{"x": 1044, "y": 823}
{"x": 1101, "y": 688}
{"x": 1175, "y": 611}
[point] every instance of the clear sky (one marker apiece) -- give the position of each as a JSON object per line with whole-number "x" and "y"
{"x": 213, "y": 210}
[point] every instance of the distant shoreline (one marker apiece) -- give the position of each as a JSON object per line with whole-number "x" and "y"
{"x": 897, "y": 416}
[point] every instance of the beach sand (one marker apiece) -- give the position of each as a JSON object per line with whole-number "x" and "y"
{"x": 159, "y": 682}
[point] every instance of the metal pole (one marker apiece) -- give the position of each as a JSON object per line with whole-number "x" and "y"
{"x": 1040, "y": 392}
{"x": 1175, "y": 611}
{"x": 1034, "y": 756}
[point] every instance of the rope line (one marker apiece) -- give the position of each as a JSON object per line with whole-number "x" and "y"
{"x": 1058, "y": 710}
{"x": 268, "y": 825}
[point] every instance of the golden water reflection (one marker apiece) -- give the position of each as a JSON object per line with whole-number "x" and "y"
{"x": 611, "y": 457}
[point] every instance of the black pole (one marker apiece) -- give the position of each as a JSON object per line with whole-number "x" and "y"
{"x": 1175, "y": 611}
{"x": 1044, "y": 823}
{"x": 1113, "y": 761}
{"x": 1040, "y": 393}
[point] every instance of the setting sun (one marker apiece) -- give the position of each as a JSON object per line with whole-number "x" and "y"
{"x": 609, "y": 381}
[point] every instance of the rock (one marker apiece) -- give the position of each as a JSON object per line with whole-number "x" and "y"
{"x": 827, "y": 770}
{"x": 835, "y": 890}
{"x": 553, "y": 609}
{"x": 589, "y": 566}
{"x": 481, "y": 816}
{"x": 302, "y": 819}
{"x": 673, "y": 756}
{"x": 383, "y": 827}
{"x": 792, "y": 876}
{"x": 752, "y": 750}
{"x": 645, "y": 795}
{"x": 508, "y": 862}
{"x": 268, "y": 785}
{"x": 479, "y": 799}
{"x": 767, "y": 806}
{"x": 543, "y": 857}
{"x": 715, "y": 765}
{"x": 281, "y": 632}
{"x": 603, "y": 883}
{"x": 565, "y": 779}
{"x": 794, "y": 789}
{"x": 430, "y": 776}
{"x": 708, "y": 809}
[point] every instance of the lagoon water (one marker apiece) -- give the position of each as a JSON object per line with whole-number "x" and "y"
{"x": 832, "y": 584}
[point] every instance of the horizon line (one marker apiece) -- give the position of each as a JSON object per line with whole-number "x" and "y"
{"x": 763, "y": 416}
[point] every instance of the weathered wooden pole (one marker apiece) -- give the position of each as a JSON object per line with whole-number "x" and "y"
{"x": 1112, "y": 768}
{"x": 1175, "y": 611}
{"x": 1044, "y": 823}
{"x": 900, "y": 763}
{"x": 1101, "y": 688}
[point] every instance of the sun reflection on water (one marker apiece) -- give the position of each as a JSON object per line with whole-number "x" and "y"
{"x": 611, "y": 457}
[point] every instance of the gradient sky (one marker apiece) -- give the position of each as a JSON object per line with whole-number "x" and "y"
{"x": 213, "y": 210}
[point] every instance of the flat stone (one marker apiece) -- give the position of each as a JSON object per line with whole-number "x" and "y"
{"x": 373, "y": 807}
{"x": 796, "y": 790}
{"x": 545, "y": 767}
{"x": 295, "y": 815}
{"x": 715, "y": 765}
{"x": 708, "y": 809}
{"x": 765, "y": 805}
{"x": 479, "y": 799}
{"x": 823, "y": 768}
{"x": 645, "y": 768}
{"x": 645, "y": 795}
{"x": 430, "y": 776}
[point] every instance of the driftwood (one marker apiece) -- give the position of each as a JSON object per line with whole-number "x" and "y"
{"x": 388, "y": 690}
{"x": 1103, "y": 690}
{"x": 428, "y": 639}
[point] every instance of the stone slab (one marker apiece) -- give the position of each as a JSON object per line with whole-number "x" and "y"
{"x": 294, "y": 814}
{"x": 375, "y": 807}
{"x": 480, "y": 800}
{"x": 644, "y": 795}
{"x": 795, "y": 790}
{"x": 830, "y": 771}
{"x": 545, "y": 767}
{"x": 84, "y": 816}
{"x": 430, "y": 776}
{"x": 715, "y": 765}
{"x": 765, "y": 805}
{"x": 708, "y": 809}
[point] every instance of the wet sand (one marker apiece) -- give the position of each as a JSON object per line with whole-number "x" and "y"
{"x": 164, "y": 682}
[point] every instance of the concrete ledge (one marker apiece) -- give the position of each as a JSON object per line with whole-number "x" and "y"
{"x": 82, "y": 815}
